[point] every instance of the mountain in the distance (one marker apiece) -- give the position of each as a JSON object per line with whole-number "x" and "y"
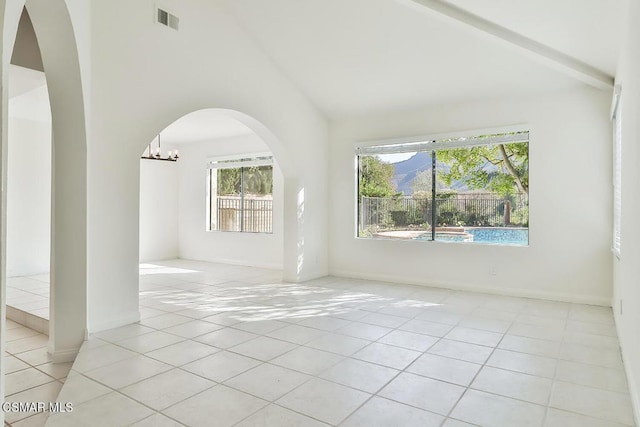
{"x": 407, "y": 170}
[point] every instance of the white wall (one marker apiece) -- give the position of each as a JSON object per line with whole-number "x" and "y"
{"x": 158, "y": 210}
{"x": 570, "y": 198}
{"x": 209, "y": 63}
{"x": 626, "y": 298}
{"x": 28, "y": 197}
{"x": 28, "y": 174}
{"x": 68, "y": 300}
{"x": 254, "y": 249}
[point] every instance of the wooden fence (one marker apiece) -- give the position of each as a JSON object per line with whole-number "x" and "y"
{"x": 248, "y": 214}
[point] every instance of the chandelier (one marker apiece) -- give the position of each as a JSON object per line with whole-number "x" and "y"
{"x": 154, "y": 152}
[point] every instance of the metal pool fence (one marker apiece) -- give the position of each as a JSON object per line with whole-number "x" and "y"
{"x": 476, "y": 209}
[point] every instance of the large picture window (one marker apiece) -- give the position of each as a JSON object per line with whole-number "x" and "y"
{"x": 471, "y": 190}
{"x": 240, "y": 195}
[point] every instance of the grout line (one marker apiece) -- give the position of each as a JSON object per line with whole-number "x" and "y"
{"x": 468, "y": 387}
{"x": 555, "y": 371}
{"x": 388, "y": 300}
{"x": 32, "y": 366}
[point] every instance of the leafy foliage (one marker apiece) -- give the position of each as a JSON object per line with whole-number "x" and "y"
{"x": 229, "y": 181}
{"x": 257, "y": 180}
{"x": 499, "y": 168}
{"x": 376, "y": 178}
{"x": 520, "y": 216}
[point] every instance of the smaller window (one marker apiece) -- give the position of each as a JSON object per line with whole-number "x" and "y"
{"x": 240, "y": 195}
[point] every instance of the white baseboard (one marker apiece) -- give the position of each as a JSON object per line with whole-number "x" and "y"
{"x": 634, "y": 391}
{"x": 29, "y": 320}
{"x": 312, "y": 276}
{"x": 145, "y": 260}
{"x": 122, "y": 320}
{"x": 63, "y": 356}
{"x": 523, "y": 293}
{"x": 244, "y": 263}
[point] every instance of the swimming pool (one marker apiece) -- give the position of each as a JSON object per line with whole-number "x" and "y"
{"x": 500, "y": 236}
{"x": 485, "y": 235}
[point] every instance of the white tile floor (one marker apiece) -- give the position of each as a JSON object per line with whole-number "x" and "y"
{"x": 29, "y": 294}
{"x": 233, "y": 346}
{"x": 30, "y": 375}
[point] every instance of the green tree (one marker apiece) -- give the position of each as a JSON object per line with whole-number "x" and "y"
{"x": 229, "y": 181}
{"x": 258, "y": 180}
{"x": 499, "y": 168}
{"x": 376, "y": 177}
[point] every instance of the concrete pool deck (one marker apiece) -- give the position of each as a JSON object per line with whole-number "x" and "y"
{"x": 413, "y": 234}
{"x": 508, "y": 236}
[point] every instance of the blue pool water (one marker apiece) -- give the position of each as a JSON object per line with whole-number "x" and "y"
{"x": 500, "y": 236}
{"x": 486, "y": 235}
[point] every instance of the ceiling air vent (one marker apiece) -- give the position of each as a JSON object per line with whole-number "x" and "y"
{"x": 167, "y": 19}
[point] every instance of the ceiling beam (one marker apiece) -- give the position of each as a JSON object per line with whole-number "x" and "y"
{"x": 537, "y": 51}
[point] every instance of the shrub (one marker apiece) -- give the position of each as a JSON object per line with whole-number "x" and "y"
{"x": 520, "y": 216}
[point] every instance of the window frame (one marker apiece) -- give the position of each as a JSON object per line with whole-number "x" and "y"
{"x": 616, "y": 119}
{"x": 238, "y": 161}
{"x": 425, "y": 138}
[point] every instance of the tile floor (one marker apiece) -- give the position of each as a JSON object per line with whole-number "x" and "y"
{"x": 29, "y": 294}
{"x": 30, "y": 375}
{"x": 234, "y": 346}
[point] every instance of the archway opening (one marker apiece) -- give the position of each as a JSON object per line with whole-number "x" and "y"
{"x": 221, "y": 201}
{"x": 46, "y": 197}
{"x": 29, "y": 224}
{"x": 29, "y": 180}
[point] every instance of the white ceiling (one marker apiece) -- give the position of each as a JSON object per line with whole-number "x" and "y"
{"x": 203, "y": 126}
{"x": 588, "y": 30}
{"x": 365, "y": 56}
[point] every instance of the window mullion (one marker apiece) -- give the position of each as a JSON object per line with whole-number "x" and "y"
{"x": 242, "y": 198}
{"x": 434, "y": 213}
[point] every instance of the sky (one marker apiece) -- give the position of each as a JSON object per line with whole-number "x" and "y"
{"x": 395, "y": 158}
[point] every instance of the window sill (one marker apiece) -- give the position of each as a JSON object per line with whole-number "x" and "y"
{"x": 251, "y": 233}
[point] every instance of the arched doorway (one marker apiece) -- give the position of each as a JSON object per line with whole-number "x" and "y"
{"x": 59, "y": 53}
{"x": 187, "y": 195}
{"x": 29, "y": 150}
{"x": 56, "y": 37}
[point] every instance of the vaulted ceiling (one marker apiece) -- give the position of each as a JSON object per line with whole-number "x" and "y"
{"x": 355, "y": 57}
{"x": 588, "y": 30}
